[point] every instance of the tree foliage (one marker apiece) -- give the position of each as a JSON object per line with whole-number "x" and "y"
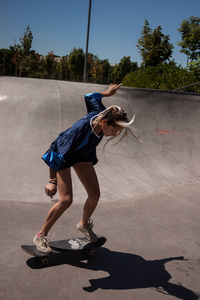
{"x": 154, "y": 46}
{"x": 100, "y": 70}
{"x": 30, "y": 64}
{"x": 156, "y": 70}
{"x": 26, "y": 42}
{"x": 166, "y": 76}
{"x": 6, "y": 64}
{"x": 194, "y": 67}
{"x": 76, "y": 62}
{"x": 124, "y": 67}
{"x": 190, "y": 31}
{"x": 62, "y": 68}
{"x": 23, "y": 49}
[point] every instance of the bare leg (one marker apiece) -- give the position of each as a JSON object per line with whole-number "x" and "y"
{"x": 65, "y": 191}
{"x": 88, "y": 177}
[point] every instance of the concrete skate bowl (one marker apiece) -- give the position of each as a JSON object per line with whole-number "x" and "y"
{"x": 33, "y": 112}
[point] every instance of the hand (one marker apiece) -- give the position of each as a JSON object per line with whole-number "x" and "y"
{"x": 51, "y": 189}
{"x": 112, "y": 90}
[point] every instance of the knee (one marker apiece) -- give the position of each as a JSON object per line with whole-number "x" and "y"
{"x": 66, "y": 201}
{"x": 94, "y": 196}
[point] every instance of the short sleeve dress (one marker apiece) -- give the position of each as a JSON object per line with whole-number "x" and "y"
{"x": 78, "y": 143}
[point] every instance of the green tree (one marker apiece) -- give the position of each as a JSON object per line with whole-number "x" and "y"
{"x": 96, "y": 70}
{"x": 105, "y": 69}
{"x": 76, "y": 63}
{"x": 62, "y": 68}
{"x": 90, "y": 67}
{"x": 144, "y": 42}
{"x": 194, "y": 67}
{"x": 154, "y": 46}
{"x": 52, "y": 64}
{"x": 165, "y": 76}
{"x": 190, "y": 44}
{"x": 6, "y": 65}
{"x": 25, "y": 46}
{"x": 31, "y": 64}
{"x": 48, "y": 66}
{"x": 41, "y": 71}
{"x": 124, "y": 67}
{"x": 16, "y": 58}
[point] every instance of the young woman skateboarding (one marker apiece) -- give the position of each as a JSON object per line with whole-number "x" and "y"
{"x": 76, "y": 147}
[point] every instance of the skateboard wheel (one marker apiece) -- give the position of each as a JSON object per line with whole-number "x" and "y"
{"x": 89, "y": 252}
{"x": 92, "y": 252}
{"x": 44, "y": 261}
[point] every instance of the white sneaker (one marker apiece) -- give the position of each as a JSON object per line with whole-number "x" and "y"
{"x": 87, "y": 231}
{"x": 42, "y": 244}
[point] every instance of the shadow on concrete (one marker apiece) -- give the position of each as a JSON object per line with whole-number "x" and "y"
{"x": 126, "y": 271}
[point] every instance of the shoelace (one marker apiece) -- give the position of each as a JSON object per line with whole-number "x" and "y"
{"x": 45, "y": 241}
{"x": 90, "y": 224}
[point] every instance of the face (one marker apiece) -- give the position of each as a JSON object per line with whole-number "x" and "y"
{"x": 109, "y": 130}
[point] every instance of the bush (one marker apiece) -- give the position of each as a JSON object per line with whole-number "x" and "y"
{"x": 165, "y": 77}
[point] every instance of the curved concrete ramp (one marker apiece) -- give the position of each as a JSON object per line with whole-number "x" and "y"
{"x": 33, "y": 112}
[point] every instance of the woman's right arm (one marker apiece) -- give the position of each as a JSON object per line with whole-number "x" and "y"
{"x": 51, "y": 187}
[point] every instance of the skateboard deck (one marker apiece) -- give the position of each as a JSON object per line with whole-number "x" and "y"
{"x": 63, "y": 246}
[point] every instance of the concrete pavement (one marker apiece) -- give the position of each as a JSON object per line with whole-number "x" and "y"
{"x": 149, "y": 209}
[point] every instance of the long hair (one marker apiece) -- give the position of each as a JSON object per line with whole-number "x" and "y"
{"x": 115, "y": 116}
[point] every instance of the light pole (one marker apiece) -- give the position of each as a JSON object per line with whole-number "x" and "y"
{"x": 87, "y": 41}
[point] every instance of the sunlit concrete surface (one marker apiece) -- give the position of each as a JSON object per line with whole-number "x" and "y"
{"x": 149, "y": 209}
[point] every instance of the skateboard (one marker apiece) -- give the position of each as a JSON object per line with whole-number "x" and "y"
{"x": 64, "y": 246}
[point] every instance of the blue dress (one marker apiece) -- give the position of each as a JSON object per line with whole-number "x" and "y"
{"x": 79, "y": 142}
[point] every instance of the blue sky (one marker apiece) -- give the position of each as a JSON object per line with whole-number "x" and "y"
{"x": 116, "y": 25}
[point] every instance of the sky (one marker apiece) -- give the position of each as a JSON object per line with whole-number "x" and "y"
{"x": 115, "y": 25}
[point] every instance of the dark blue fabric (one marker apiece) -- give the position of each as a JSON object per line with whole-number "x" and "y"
{"x": 54, "y": 160}
{"x": 76, "y": 144}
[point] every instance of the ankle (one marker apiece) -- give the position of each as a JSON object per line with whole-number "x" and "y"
{"x": 82, "y": 224}
{"x": 41, "y": 233}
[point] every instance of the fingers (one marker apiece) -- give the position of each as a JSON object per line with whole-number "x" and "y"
{"x": 115, "y": 86}
{"x": 50, "y": 190}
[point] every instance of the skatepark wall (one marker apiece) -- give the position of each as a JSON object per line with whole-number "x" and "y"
{"x": 34, "y": 111}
